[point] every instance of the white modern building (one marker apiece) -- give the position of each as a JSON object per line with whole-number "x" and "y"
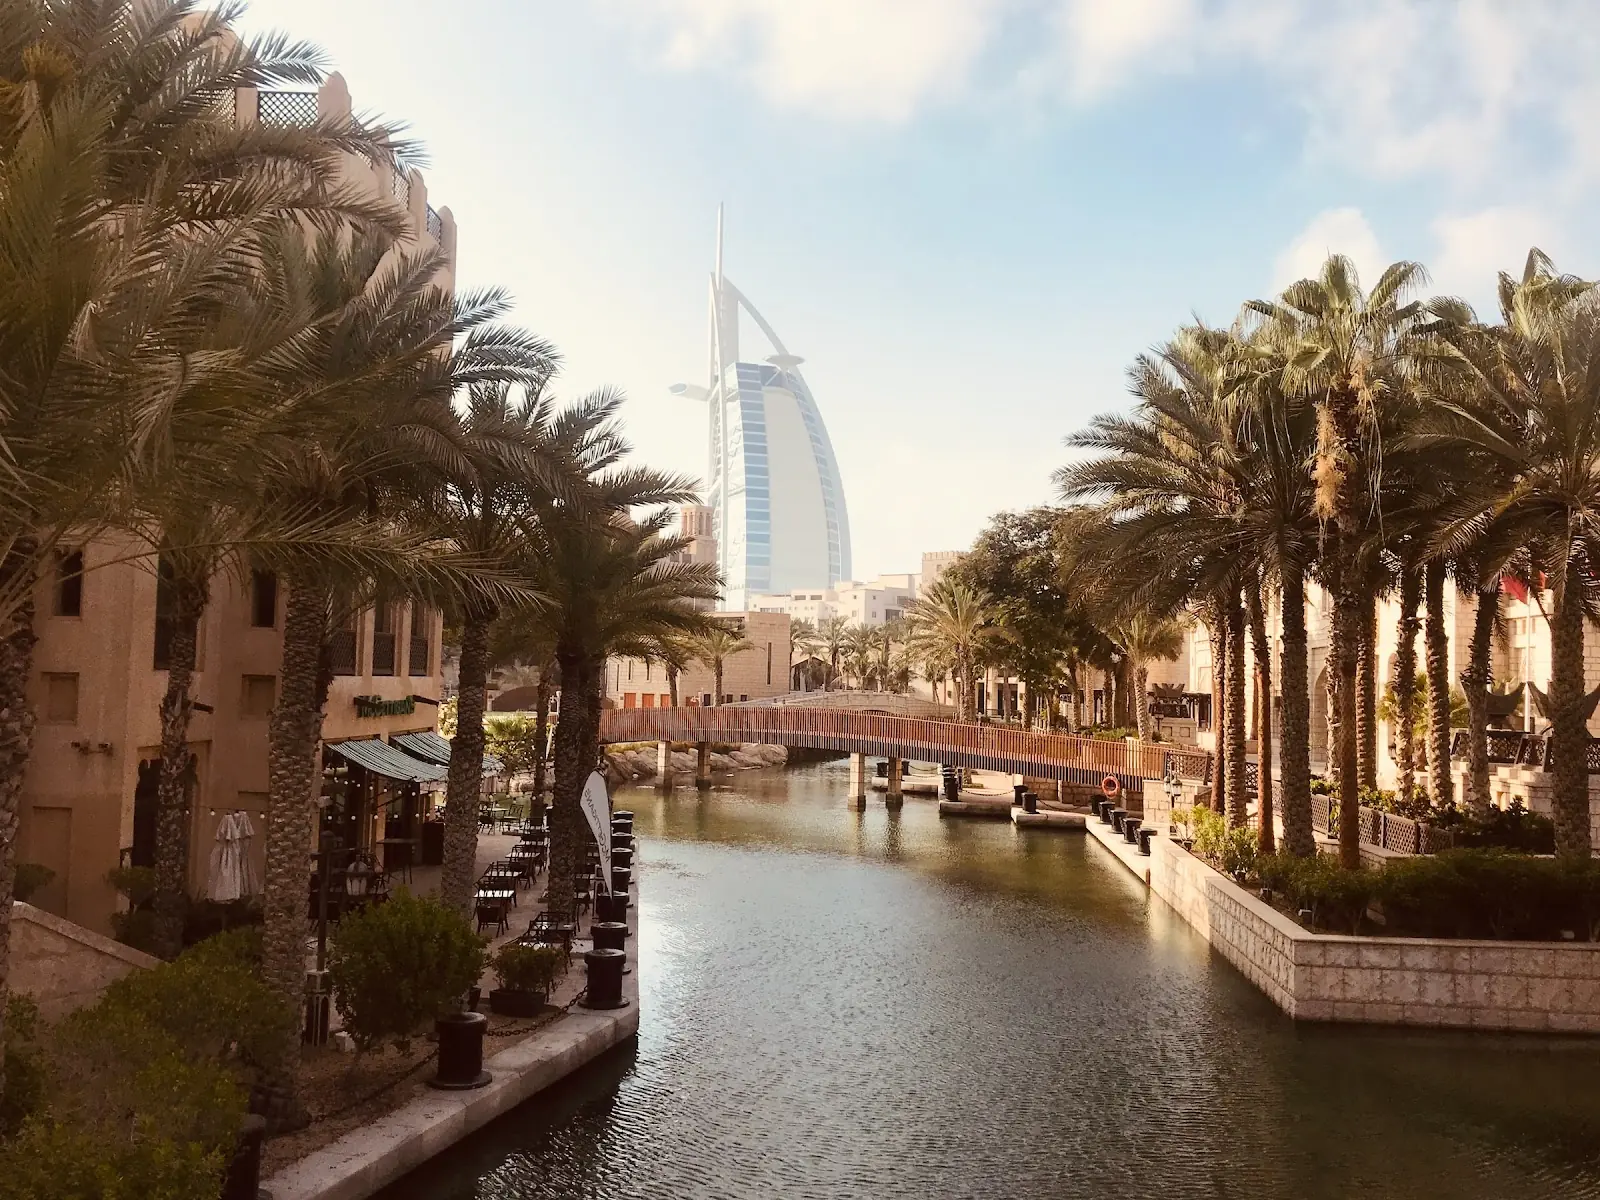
{"x": 773, "y": 486}
{"x": 874, "y": 602}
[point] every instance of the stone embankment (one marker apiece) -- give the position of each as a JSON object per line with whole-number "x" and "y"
{"x": 636, "y": 763}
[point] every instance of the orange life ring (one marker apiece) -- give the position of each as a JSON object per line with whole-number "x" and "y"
{"x": 1110, "y": 786}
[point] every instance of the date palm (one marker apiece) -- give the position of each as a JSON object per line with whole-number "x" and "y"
{"x": 714, "y": 646}
{"x": 1147, "y": 638}
{"x": 1347, "y": 351}
{"x": 950, "y": 623}
{"x": 834, "y": 633}
{"x": 1535, "y": 418}
{"x": 131, "y": 199}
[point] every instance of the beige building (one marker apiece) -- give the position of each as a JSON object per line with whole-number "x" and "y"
{"x": 99, "y": 672}
{"x": 754, "y": 674}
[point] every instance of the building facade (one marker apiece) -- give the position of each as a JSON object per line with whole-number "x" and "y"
{"x": 758, "y": 673}
{"x": 99, "y": 673}
{"x": 873, "y": 602}
{"x": 779, "y": 518}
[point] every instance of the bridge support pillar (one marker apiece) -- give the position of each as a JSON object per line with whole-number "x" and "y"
{"x": 858, "y": 778}
{"x": 664, "y": 765}
{"x": 702, "y": 764}
{"x": 893, "y": 794}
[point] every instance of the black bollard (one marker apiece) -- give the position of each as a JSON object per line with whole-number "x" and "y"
{"x": 460, "y": 1051}
{"x": 611, "y": 908}
{"x": 623, "y": 814}
{"x": 243, "y": 1180}
{"x": 609, "y": 935}
{"x": 622, "y": 858}
{"x": 1145, "y": 834}
{"x": 1030, "y": 802}
{"x": 604, "y": 986}
{"x": 621, "y": 879}
{"x": 622, "y": 841}
{"x": 1130, "y": 829}
{"x": 1017, "y": 792}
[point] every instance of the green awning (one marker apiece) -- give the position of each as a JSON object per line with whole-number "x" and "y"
{"x": 380, "y": 758}
{"x": 433, "y": 748}
{"x": 426, "y": 745}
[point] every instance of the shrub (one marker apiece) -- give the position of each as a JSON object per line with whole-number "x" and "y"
{"x": 30, "y": 877}
{"x": 1240, "y": 846}
{"x": 529, "y": 968}
{"x": 1210, "y": 833}
{"x": 396, "y": 966}
{"x": 23, "y": 1078}
{"x": 1336, "y": 898}
{"x": 212, "y": 1002}
{"x": 127, "y": 1115}
{"x": 136, "y": 927}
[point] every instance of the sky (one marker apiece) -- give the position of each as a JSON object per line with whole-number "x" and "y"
{"x": 969, "y": 216}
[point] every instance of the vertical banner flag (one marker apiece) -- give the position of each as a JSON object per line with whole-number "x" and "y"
{"x": 596, "y": 805}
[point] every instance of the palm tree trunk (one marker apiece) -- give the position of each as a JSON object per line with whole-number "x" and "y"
{"x": 541, "y": 723}
{"x": 716, "y": 670}
{"x": 577, "y": 749}
{"x": 1475, "y": 683}
{"x": 1405, "y": 681}
{"x": 1234, "y": 724}
{"x": 1342, "y": 653}
{"x": 294, "y": 744}
{"x": 174, "y": 789}
{"x": 1437, "y": 645}
{"x": 1569, "y": 708}
{"x": 964, "y": 696}
{"x": 1141, "y": 683}
{"x": 672, "y": 684}
{"x": 1297, "y": 835}
{"x": 465, "y": 779}
{"x": 1263, "y": 657}
{"x": 1216, "y": 628}
{"x": 1367, "y": 692}
{"x": 16, "y": 744}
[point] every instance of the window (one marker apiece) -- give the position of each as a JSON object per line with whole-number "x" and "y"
{"x": 742, "y": 699}
{"x": 629, "y": 700}
{"x": 69, "y": 584}
{"x": 257, "y": 695}
{"x": 769, "y": 662}
{"x": 61, "y": 698}
{"x": 705, "y": 700}
{"x": 342, "y": 642}
{"x": 383, "y": 639}
{"x": 421, "y": 651}
{"x": 264, "y": 599}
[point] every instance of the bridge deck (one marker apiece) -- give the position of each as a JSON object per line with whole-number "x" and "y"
{"x": 983, "y": 747}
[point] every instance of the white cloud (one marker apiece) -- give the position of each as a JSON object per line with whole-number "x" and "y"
{"x": 1473, "y": 248}
{"x": 1336, "y": 231}
{"x": 875, "y": 60}
{"x": 1105, "y": 43}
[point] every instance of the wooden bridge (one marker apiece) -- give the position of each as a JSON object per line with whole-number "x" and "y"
{"x": 983, "y": 747}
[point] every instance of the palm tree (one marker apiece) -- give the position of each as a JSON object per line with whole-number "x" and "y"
{"x": 1532, "y": 421}
{"x": 132, "y": 202}
{"x": 716, "y": 644}
{"x": 834, "y": 634}
{"x": 950, "y": 624}
{"x": 1344, "y": 351}
{"x": 1147, "y": 638}
{"x": 614, "y": 585}
{"x": 384, "y": 350}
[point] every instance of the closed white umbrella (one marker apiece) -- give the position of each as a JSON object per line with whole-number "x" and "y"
{"x": 232, "y": 875}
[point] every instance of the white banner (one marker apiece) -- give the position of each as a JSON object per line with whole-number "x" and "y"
{"x": 596, "y": 805}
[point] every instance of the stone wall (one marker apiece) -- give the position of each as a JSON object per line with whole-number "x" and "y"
{"x": 62, "y": 966}
{"x": 1532, "y": 986}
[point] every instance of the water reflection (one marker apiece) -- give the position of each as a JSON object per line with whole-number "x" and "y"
{"x": 841, "y": 1003}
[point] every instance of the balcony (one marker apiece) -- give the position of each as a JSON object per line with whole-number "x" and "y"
{"x": 383, "y": 653}
{"x": 342, "y": 651}
{"x": 417, "y": 660}
{"x": 435, "y": 225}
{"x": 402, "y": 187}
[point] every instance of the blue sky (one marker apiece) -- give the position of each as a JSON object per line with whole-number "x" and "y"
{"x": 968, "y": 215}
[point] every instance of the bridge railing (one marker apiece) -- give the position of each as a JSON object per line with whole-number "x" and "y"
{"x": 1048, "y": 755}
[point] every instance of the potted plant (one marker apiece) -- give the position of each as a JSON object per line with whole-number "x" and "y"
{"x": 525, "y": 974}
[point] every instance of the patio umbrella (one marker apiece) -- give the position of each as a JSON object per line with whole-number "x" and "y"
{"x": 232, "y": 875}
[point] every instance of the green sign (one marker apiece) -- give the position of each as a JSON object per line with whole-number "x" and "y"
{"x": 377, "y": 706}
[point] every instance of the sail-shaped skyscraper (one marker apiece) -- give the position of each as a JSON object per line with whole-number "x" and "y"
{"x": 772, "y": 481}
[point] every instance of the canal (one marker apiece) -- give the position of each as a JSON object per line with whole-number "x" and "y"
{"x": 843, "y": 1004}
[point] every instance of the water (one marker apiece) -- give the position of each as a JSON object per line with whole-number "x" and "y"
{"x": 886, "y": 1005}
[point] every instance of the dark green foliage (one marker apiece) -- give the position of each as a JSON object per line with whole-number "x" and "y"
{"x": 30, "y": 877}
{"x": 23, "y": 1080}
{"x": 212, "y": 1002}
{"x": 136, "y": 927}
{"x": 1490, "y": 894}
{"x": 529, "y": 968}
{"x": 397, "y": 966}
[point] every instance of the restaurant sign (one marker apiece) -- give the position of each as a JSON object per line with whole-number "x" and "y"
{"x": 377, "y": 706}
